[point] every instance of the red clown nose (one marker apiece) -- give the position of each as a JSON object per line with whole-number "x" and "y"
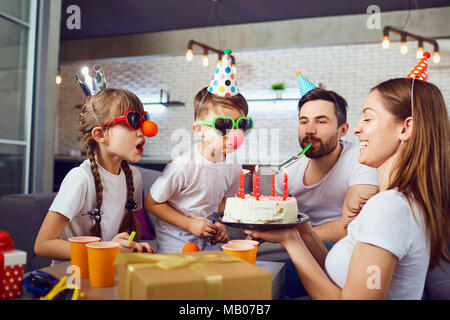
{"x": 149, "y": 128}
{"x": 236, "y": 137}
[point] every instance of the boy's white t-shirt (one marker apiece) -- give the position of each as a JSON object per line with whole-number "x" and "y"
{"x": 194, "y": 187}
{"x": 323, "y": 201}
{"x": 77, "y": 196}
{"x": 386, "y": 221}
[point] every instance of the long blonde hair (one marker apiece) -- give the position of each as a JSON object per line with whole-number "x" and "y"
{"x": 422, "y": 169}
{"x": 105, "y": 106}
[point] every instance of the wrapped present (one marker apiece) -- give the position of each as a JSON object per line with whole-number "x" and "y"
{"x": 204, "y": 275}
{"x": 12, "y": 263}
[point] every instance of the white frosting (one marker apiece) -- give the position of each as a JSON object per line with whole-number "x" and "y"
{"x": 264, "y": 210}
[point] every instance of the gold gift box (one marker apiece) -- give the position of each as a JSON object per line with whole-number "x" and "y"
{"x": 190, "y": 276}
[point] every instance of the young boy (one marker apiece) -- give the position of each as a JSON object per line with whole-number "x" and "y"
{"x": 196, "y": 183}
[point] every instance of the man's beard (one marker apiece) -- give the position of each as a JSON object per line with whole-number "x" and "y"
{"x": 324, "y": 148}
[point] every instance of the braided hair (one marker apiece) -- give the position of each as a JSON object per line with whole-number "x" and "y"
{"x": 96, "y": 229}
{"x": 129, "y": 222}
{"x": 102, "y": 107}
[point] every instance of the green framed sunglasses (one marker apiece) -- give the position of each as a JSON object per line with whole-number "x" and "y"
{"x": 223, "y": 125}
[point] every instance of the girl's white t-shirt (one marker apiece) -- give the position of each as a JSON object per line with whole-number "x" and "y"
{"x": 77, "y": 196}
{"x": 386, "y": 221}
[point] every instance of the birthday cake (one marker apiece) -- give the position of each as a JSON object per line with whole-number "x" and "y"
{"x": 268, "y": 209}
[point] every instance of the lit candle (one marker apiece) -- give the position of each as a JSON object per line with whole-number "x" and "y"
{"x": 273, "y": 185}
{"x": 254, "y": 184}
{"x": 241, "y": 193}
{"x": 257, "y": 182}
{"x": 285, "y": 186}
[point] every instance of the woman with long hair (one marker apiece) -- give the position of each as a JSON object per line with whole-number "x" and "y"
{"x": 401, "y": 233}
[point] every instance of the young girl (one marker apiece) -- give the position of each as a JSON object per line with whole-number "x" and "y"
{"x": 98, "y": 197}
{"x": 401, "y": 232}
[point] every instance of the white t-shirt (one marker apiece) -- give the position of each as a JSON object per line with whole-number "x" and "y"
{"x": 194, "y": 187}
{"x": 77, "y": 196}
{"x": 323, "y": 201}
{"x": 386, "y": 221}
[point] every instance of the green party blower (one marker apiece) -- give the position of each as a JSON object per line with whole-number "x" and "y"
{"x": 293, "y": 159}
{"x": 131, "y": 238}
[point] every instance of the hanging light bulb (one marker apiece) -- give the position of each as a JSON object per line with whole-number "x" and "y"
{"x": 58, "y": 78}
{"x": 419, "y": 52}
{"x": 386, "y": 42}
{"x": 233, "y": 66}
{"x": 189, "y": 55}
{"x": 403, "y": 48}
{"x": 205, "y": 60}
{"x": 436, "y": 57}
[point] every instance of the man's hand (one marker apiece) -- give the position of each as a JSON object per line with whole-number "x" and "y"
{"x": 354, "y": 201}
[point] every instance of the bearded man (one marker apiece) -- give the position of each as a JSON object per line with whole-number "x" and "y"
{"x": 329, "y": 183}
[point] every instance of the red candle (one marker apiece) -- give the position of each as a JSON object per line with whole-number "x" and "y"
{"x": 285, "y": 186}
{"x": 241, "y": 185}
{"x": 273, "y": 185}
{"x": 254, "y": 184}
{"x": 241, "y": 193}
{"x": 257, "y": 186}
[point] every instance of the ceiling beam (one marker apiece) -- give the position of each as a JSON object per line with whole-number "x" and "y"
{"x": 347, "y": 29}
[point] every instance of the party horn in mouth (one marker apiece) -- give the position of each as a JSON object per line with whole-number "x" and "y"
{"x": 293, "y": 159}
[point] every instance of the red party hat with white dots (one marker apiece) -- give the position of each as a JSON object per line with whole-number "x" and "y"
{"x": 223, "y": 82}
{"x": 420, "y": 71}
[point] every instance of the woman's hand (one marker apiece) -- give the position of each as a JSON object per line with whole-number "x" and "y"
{"x": 130, "y": 246}
{"x": 282, "y": 236}
{"x": 305, "y": 230}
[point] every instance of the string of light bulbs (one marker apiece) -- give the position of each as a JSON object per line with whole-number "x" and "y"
{"x": 404, "y": 35}
{"x": 206, "y": 50}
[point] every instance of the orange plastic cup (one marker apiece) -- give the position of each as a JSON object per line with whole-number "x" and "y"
{"x": 240, "y": 250}
{"x": 101, "y": 256}
{"x": 78, "y": 253}
{"x": 250, "y": 242}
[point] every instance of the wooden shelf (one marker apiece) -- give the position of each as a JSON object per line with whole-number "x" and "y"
{"x": 166, "y": 104}
{"x": 274, "y": 99}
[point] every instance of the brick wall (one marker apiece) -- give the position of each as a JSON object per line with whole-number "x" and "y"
{"x": 350, "y": 70}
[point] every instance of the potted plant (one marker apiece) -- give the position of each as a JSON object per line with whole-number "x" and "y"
{"x": 278, "y": 88}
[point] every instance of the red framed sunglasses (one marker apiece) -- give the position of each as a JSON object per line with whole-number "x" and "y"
{"x": 133, "y": 119}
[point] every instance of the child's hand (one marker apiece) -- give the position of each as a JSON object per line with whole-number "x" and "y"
{"x": 144, "y": 247}
{"x": 202, "y": 228}
{"x": 130, "y": 246}
{"x": 125, "y": 245}
{"x": 222, "y": 233}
